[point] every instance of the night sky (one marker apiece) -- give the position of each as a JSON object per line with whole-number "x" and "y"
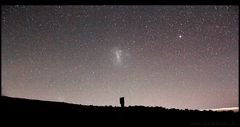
{"x": 170, "y": 56}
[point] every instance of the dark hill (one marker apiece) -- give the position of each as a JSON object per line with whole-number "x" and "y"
{"x": 23, "y": 111}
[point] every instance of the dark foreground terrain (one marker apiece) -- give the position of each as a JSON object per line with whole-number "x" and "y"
{"x": 24, "y": 111}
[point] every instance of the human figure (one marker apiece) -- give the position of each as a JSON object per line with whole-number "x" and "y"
{"x": 122, "y": 101}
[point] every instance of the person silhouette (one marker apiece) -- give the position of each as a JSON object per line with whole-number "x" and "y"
{"x": 122, "y": 101}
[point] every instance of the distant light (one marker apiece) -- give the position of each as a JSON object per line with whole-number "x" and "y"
{"x": 234, "y": 109}
{"x": 180, "y": 36}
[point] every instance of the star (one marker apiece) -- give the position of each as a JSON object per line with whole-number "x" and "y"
{"x": 179, "y": 36}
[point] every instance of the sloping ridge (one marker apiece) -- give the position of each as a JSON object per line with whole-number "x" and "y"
{"x": 15, "y": 109}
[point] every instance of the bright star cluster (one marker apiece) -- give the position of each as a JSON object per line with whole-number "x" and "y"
{"x": 170, "y": 56}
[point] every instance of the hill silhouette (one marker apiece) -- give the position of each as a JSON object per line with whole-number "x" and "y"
{"x": 25, "y": 110}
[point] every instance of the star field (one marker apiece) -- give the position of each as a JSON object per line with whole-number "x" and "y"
{"x": 170, "y": 56}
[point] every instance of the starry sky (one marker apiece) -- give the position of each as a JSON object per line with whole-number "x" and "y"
{"x": 170, "y": 56}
